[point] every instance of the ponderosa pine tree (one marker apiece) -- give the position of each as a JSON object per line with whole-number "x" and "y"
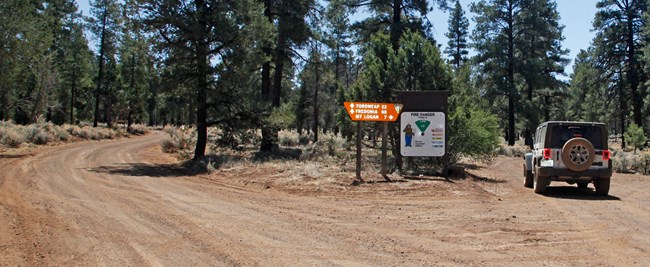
{"x": 543, "y": 60}
{"x": 588, "y": 94}
{"x": 195, "y": 35}
{"x": 338, "y": 37}
{"x": 105, "y": 24}
{"x": 517, "y": 38}
{"x": 497, "y": 25}
{"x": 76, "y": 69}
{"x": 618, "y": 25}
{"x": 394, "y": 17}
{"x": 458, "y": 32}
{"x": 292, "y": 31}
{"x": 135, "y": 64}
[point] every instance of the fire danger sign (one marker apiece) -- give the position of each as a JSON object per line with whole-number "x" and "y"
{"x": 423, "y": 134}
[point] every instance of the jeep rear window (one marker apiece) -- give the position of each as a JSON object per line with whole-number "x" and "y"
{"x": 562, "y": 133}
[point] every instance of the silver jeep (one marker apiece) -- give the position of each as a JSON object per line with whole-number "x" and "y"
{"x": 572, "y": 152}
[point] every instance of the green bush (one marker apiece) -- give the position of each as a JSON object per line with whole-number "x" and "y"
{"x": 473, "y": 133}
{"x": 634, "y": 136}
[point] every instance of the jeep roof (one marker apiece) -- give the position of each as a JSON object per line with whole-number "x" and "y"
{"x": 562, "y": 131}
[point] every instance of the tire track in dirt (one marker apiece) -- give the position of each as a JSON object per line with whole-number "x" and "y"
{"x": 117, "y": 203}
{"x": 603, "y": 223}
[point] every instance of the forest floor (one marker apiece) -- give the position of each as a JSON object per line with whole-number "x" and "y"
{"x": 125, "y": 203}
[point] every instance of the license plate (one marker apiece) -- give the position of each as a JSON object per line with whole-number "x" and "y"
{"x": 546, "y": 163}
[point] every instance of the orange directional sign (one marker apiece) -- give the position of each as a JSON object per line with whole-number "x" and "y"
{"x": 369, "y": 111}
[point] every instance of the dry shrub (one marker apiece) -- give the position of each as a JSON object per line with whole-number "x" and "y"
{"x": 138, "y": 129}
{"x": 85, "y": 132}
{"x": 35, "y": 134}
{"x": 169, "y": 146}
{"x": 11, "y": 138}
{"x": 181, "y": 141}
{"x": 328, "y": 145}
{"x": 172, "y": 131}
{"x": 517, "y": 150}
{"x": 643, "y": 164}
{"x": 41, "y": 138}
{"x": 61, "y": 134}
{"x": 288, "y": 138}
{"x": 629, "y": 162}
{"x": 101, "y": 134}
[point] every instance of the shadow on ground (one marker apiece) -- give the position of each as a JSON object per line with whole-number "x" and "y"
{"x": 573, "y": 192}
{"x": 150, "y": 170}
{"x": 278, "y": 154}
{"x": 478, "y": 178}
{"x": 17, "y": 156}
{"x": 427, "y": 178}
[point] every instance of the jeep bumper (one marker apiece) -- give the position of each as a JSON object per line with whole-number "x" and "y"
{"x": 563, "y": 174}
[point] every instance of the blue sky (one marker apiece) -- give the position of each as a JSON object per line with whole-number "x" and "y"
{"x": 576, "y": 15}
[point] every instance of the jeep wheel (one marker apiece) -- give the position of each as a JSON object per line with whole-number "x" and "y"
{"x": 529, "y": 178}
{"x": 578, "y": 154}
{"x": 582, "y": 185}
{"x": 540, "y": 184}
{"x": 602, "y": 186}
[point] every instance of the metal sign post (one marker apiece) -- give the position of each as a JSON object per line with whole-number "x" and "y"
{"x": 359, "y": 137}
{"x": 378, "y": 112}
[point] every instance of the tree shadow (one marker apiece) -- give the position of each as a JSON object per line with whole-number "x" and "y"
{"x": 278, "y": 154}
{"x": 477, "y": 178}
{"x": 17, "y": 156}
{"x": 392, "y": 181}
{"x": 470, "y": 166}
{"x": 427, "y": 178}
{"x": 150, "y": 170}
{"x": 573, "y": 192}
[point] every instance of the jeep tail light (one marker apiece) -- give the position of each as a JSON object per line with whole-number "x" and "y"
{"x": 547, "y": 153}
{"x": 606, "y": 155}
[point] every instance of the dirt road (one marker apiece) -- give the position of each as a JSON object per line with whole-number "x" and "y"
{"x": 122, "y": 203}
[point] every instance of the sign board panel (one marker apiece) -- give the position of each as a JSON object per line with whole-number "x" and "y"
{"x": 369, "y": 111}
{"x": 423, "y": 134}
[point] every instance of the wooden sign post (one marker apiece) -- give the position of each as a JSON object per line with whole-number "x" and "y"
{"x": 370, "y": 111}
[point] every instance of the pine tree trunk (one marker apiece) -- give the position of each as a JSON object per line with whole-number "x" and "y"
{"x": 202, "y": 85}
{"x": 632, "y": 73}
{"x": 73, "y": 92}
{"x": 315, "y": 101}
{"x": 396, "y": 24}
{"x": 511, "y": 76}
{"x": 267, "y": 132}
{"x": 129, "y": 115}
{"x": 100, "y": 74}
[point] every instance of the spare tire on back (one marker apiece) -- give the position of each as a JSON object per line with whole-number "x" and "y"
{"x": 578, "y": 154}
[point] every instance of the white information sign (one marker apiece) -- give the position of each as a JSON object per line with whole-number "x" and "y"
{"x": 422, "y": 134}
